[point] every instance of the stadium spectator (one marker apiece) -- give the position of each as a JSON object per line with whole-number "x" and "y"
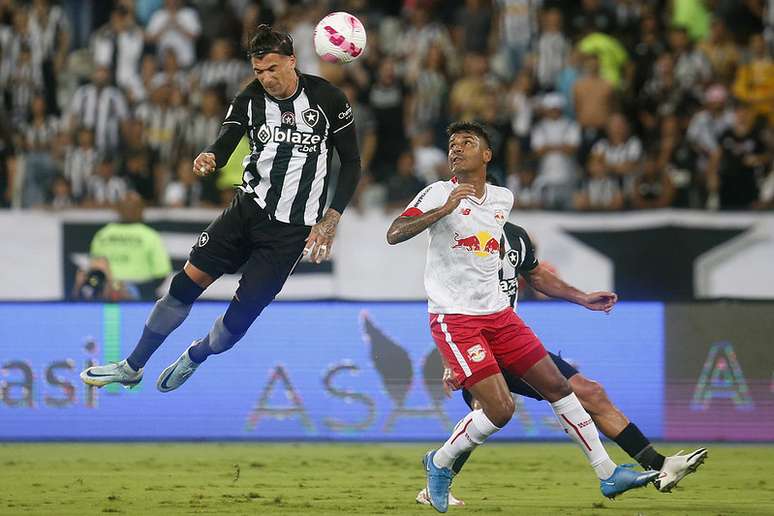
{"x": 742, "y": 160}
{"x": 24, "y": 80}
{"x": 100, "y": 107}
{"x": 134, "y": 251}
{"x": 708, "y": 124}
{"x": 653, "y": 187}
{"x": 612, "y": 56}
{"x": 61, "y": 197}
{"x": 367, "y": 134}
{"x": 96, "y": 283}
{"x": 722, "y": 52}
{"x": 646, "y": 50}
{"x": 80, "y": 162}
{"x": 691, "y": 68}
{"x": 516, "y": 26}
{"x": 618, "y": 154}
{"x": 521, "y": 102}
{"x": 470, "y": 93}
{"x": 473, "y": 22}
{"x": 404, "y": 185}
{"x": 7, "y": 165}
{"x": 502, "y": 142}
{"x": 103, "y": 188}
{"x": 162, "y": 122}
{"x": 555, "y": 140}
{"x": 592, "y": 16}
{"x": 140, "y": 176}
{"x": 175, "y": 27}
{"x": 600, "y": 191}
{"x": 170, "y": 73}
{"x": 221, "y": 69}
{"x": 754, "y": 82}
{"x": 431, "y": 92}
{"x": 526, "y": 196}
{"x": 118, "y": 45}
{"x": 430, "y": 161}
{"x": 552, "y": 49}
{"x": 594, "y": 99}
{"x": 388, "y": 102}
{"x": 50, "y": 38}
{"x": 39, "y": 168}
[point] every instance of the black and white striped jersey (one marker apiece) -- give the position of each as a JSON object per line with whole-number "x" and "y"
{"x": 518, "y": 255}
{"x": 291, "y": 143}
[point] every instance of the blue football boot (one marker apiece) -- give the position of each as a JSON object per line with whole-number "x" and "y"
{"x": 438, "y": 482}
{"x": 624, "y": 478}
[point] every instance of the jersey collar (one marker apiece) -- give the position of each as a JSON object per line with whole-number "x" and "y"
{"x": 479, "y": 201}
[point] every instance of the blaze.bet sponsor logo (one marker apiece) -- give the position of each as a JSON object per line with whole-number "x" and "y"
{"x": 304, "y": 142}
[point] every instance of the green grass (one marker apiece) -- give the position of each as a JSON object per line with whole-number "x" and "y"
{"x": 234, "y": 479}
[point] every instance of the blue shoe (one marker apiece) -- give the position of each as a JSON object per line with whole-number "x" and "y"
{"x": 438, "y": 483}
{"x": 624, "y": 478}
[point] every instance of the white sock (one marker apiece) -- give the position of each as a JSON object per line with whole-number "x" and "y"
{"x": 471, "y": 431}
{"x": 581, "y": 428}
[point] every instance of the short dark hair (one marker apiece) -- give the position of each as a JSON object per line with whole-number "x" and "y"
{"x": 269, "y": 41}
{"x": 470, "y": 127}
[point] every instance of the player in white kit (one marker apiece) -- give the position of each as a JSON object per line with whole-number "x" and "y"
{"x": 471, "y": 321}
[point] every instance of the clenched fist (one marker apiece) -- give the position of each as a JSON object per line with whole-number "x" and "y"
{"x": 204, "y": 164}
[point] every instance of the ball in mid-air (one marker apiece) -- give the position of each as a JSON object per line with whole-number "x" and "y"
{"x": 339, "y": 38}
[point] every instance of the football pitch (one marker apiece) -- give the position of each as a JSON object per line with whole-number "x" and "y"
{"x": 235, "y": 479}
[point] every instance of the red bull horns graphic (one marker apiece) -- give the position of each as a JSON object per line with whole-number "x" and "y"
{"x": 480, "y": 244}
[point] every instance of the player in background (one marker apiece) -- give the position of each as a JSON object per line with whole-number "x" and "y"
{"x": 472, "y": 323}
{"x": 294, "y": 121}
{"x": 518, "y": 258}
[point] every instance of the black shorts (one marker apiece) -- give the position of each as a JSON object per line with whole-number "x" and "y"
{"x": 244, "y": 234}
{"x": 519, "y": 386}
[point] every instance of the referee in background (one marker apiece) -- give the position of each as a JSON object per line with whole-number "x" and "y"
{"x": 294, "y": 121}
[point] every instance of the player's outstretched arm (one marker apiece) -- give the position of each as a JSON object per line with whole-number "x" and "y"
{"x": 406, "y": 227}
{"x": 545, "y": 281}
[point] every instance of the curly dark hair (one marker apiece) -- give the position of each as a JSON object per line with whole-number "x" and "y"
{"x": 269, "y": 41}
{"x": 470, "y": 127}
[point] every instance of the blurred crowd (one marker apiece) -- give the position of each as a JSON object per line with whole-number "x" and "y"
{"x": 590, "y": 104}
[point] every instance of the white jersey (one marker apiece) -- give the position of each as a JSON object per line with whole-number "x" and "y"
{"x": 463, "y": 257}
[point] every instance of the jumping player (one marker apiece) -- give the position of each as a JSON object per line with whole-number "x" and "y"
{"x": 474, "y": 327}
{"x": 518, "y": 259}
{"x": 294, "y": 121}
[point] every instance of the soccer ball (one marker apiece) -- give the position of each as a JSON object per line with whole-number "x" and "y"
{"x": 339, "y": 38}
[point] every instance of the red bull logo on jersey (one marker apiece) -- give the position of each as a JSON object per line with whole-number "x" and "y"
{"x": 480, "y": 244}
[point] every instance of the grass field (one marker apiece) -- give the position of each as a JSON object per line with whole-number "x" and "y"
{"x": 233, "y": 479}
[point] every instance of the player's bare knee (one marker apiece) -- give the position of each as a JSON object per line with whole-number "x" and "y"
{"x": 502, "y": 412}
{"x": 596, "y": 394}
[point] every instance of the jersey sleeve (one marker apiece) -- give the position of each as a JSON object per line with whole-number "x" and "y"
{"x": 430, "y": 198}
{"x": 340, "y": 112}
{"x": 344, "y": 139}
{"x": 519, "y": 241}
{"x": 232, "y": 130}
{"x": 530, "y": 257}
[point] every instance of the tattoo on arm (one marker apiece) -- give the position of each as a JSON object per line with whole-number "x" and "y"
{"x": 404, "y": 228}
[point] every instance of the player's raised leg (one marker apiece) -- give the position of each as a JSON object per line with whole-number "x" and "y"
{"x": 260, "y": 283}
{"x": 616, "y": 426}
{"x": 168, "y": 313}
{"x": 577, "y": 423}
